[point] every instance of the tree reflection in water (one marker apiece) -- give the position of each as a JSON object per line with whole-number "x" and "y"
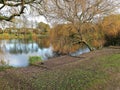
{"x": 19, "y": 51}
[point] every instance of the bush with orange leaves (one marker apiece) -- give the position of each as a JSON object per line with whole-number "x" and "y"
{"x": 111, "y": 29}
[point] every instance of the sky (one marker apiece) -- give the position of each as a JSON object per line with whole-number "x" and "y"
{"x": 31, "y": 19}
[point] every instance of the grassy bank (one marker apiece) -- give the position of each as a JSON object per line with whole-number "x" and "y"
{"x": 94, "y": 73}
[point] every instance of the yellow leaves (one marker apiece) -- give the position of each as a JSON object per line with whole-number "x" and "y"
{"x": 111, "y": 25}
{"x": 98, "y": 43}
{"x": 6, "y": 35}
{"x": 74, "y": 48}
{"x": 66, "y": 37}
{"x": 34, "y": 36}
{"x": 62, "y": 40}
{"x": 112, "y": 32}
{"x": 45, "y": 42}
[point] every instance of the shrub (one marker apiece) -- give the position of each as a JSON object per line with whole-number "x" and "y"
{"x": 33, "y": 60}
{"x": 4, "y": 65}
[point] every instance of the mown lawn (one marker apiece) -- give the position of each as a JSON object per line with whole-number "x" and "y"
{"x": 99, "y": 73}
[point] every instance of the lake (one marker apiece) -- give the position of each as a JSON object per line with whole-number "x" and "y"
{"x": 16, "y": 53}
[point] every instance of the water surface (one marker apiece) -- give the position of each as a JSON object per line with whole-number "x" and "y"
{"x": 17, "y": 52}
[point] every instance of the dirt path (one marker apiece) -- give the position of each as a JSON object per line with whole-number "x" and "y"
{"x": 58, "y": 62}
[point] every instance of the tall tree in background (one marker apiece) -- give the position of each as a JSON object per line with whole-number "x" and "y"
{"x": 111, "y": 28}
{"x": 78, "y": 13}
{"x": 15, "y": 8}
{"x": 44, "y": 28}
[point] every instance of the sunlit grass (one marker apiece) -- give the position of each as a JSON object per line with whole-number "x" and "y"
{"x": 33, "y": 60}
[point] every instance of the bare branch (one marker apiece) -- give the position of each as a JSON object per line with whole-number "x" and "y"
{"x": 15, "y": 4}
{"x": 77, "y": 10}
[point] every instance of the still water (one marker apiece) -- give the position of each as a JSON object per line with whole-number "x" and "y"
{"x": 17, "y": 52}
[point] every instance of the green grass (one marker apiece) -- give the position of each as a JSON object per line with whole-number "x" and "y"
{"x": 111, "y": 61}
{"x": 4, "y": 65}
{"x": 3, "y": 68}
{"x": 33, "y": 60}
{"x": 94, "y": 74}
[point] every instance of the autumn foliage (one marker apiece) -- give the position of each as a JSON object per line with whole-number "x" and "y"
{"x": 61, "y": 37}
{"x": 93, "y": 35}
{"x": 65, "y": 38}
{"x": 111, "y": 29}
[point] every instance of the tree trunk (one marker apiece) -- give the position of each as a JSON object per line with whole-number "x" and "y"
{"x": 89, "y": 47}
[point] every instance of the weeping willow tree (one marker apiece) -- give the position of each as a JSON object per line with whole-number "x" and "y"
{"x": 77, "y": 13}
{"x": 64, "y": 37}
